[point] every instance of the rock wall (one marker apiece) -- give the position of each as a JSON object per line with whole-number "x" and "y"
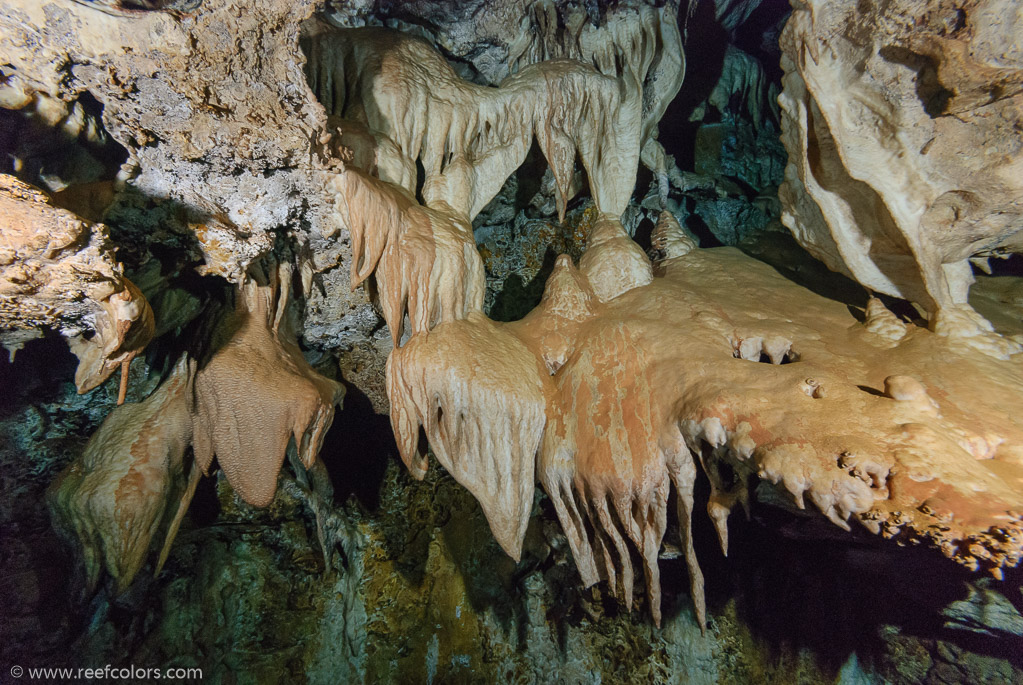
{"x": 880, "y": 101}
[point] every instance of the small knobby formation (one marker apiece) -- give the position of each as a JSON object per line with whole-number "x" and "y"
{"x": 247, "y": 400}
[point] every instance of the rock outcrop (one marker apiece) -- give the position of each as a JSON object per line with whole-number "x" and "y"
{"x": 59, "y": 272}
{"x": 297, "y": 200}
{"x": 880, "y": 102}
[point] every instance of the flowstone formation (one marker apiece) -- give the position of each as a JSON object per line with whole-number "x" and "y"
{"x": 299, "y": 196}
{"x": 879, "y": 103}
{"x": 793, "y": 392}
{"x": 621, "y": 421}
{"x": 469, "y": 138}
{"x": 256, "y": 395}
{"x": 246, "y": 397}
{"x": 111, "y": 503}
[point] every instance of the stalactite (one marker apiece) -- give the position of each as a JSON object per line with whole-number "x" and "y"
{"x": 425, "y": 259}
{"x": 483, "y": 420}
{"x": 112, "y": 501}
{"x": 470, "y": 138}
{"x": 252, "y": 397}
{"x": 601, "y": 457}
{"x": 256, "y": 393}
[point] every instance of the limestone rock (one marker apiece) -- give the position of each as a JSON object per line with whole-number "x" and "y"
{"x": 880, "y": 102}
{"x": 58, "y": 271}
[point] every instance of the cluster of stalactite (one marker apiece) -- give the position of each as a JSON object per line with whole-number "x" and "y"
{"x": 633, "y": 375}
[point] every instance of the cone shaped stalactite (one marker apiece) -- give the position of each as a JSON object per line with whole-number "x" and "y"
{"x": 483, "y": 420}
{"x": 256, "y": 393}
{"x": 425, "y": 259}
{"x": 602, "y": 450}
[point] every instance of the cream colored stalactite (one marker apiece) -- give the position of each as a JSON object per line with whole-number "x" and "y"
{"x": 601, "y": 458}
{"x": 470, "y": 138}
{"x": 479, "y": 394}
{"x": 643, "y": 41}
{"x": 256, "y": 393}
{"x": 253, "y": 396}
{"x": 58, "y": 271}
{"x": 597, "y": 118}
{"x": 682, "y": 470}
{"x": 113, "y": 500}
{"x": 413, "y": 103}
{"x": 610, "y": 448}
{"x": 124, "y": 326}
{"x": 425, "y": 259}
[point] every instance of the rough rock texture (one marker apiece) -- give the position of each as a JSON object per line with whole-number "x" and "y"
{"x": 880, "y": 101}
{"x": 58, "y": 273}
{"x": 232, "y": 164}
